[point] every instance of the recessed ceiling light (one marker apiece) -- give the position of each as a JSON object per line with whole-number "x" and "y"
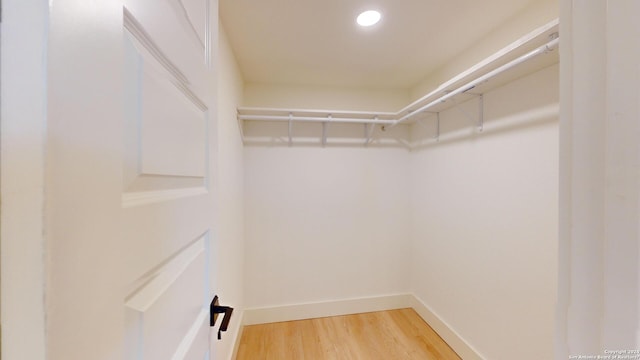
{"x": 368, "y": 18}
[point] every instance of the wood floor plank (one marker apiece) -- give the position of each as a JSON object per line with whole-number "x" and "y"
{"x": 395, "y": 334}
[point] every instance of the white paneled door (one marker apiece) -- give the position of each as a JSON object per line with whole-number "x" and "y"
{"x": 129, "y": 151}
{"x": 167, "y": 209}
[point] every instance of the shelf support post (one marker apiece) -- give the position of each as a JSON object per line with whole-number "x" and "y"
{"x": 324, "y": 131}
{"x": 290, "y": 129}
{"x": 368, "y": 131}
{"x": 437, "y": 126}
{"x": 481, "y": 113}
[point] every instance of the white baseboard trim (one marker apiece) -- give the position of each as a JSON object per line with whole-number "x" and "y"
{"x": 446, "y": 332}
{"x": 361, "y": 305}
{"x": 237, "y": 337}
{"x": 324, "y": 309}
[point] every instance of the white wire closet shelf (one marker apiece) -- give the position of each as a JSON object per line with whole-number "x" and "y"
{"x": 524, "y": 56}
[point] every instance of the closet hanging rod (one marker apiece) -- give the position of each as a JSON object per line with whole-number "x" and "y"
{"x": 316, "y": 119}
{"x": 550, "y": 28}
{"x": 540, "y": 50}
{"x": 311, "y": 112}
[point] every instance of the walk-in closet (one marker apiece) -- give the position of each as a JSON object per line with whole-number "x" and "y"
{"x": 442, "y": 196}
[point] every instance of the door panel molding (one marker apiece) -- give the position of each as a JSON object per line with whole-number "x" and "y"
{"x": 166, "y": 125}
{"x": 164, "y": 315}
{"x": 144, "y": 39}
{"x": 141, "y": 198}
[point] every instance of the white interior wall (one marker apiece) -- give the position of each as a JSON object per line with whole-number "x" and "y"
{"x": 484, "y": 219}
{"x": 325, "y": 224}
{"x": 324, "y": 97}
{"x": 230, "y": 232}
{"x": 600, "y": 183}
{"x": 22, "y": 182}
{"x": 622, "y": 208}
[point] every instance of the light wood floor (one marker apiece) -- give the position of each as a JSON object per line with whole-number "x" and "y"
{"x": 388, "y": 335}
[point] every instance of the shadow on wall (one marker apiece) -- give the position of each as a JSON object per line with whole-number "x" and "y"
{"x": 465, "y": 126}
{"x": 272, "y": 134}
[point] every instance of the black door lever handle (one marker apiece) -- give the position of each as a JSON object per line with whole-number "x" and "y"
{"x": 214, "y": 310}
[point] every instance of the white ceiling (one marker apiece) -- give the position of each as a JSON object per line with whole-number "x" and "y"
{"x": 317, "y": 42}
